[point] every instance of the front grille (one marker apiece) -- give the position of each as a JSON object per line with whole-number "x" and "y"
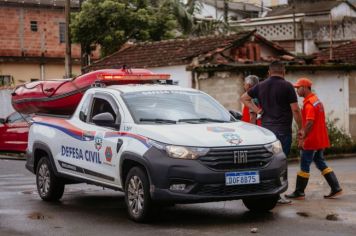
{"x": 223, "y": 158}
{"x": 222, "y": 190}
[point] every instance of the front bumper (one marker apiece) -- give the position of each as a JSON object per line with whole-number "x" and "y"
{"x": 204, "y": 184}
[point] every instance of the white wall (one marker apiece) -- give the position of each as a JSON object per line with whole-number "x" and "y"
{"x": 178, "y": 73}
{"x": 5, "y": 103}
{"x": 332, "y": 89}
{"x": 209, "y": 11}
{"x": 342, "y": 10}
{"x": 266, "y": 3}
{"x": 309, "y": 46}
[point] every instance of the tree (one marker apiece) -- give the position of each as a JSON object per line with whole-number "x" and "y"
{"x": 110, "y": 23}
{"x": 185, "y": 12}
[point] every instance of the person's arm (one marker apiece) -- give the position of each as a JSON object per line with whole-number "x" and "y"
{"x": 297, "y": 115}
{"x": 253, "y": 118}
{"x": 247, "y": 101}
{"x": 308, "y": 127}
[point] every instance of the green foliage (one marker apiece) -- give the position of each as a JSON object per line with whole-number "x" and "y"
{"x": 110, "y": 23}
{"x": 191, "y": 26}
{"x": 340, "y": 141}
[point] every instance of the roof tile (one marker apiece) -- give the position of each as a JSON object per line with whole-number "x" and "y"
{"x": 167, "y": 52}
{"x": 345, "y": 53}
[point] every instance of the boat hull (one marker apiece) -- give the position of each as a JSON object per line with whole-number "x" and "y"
{"x": 62, "y": 96}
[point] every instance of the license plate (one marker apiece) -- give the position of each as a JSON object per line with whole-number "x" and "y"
{"x": 241, "y": 178}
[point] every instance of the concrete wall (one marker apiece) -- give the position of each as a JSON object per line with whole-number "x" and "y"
{"x": 336, "y": 89}
{"x": 178, "y": 74}
{"x": 226, "y": 87}
{"x": 352, "y": 102}
{"x": 332, "y": 88}
{"x": 5, "y": 102}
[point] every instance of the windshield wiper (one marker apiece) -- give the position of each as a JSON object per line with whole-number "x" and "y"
{"x": 159, "y": 120}
{"x": 202, "y": 120}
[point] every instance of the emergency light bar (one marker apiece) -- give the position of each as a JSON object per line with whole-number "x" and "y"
{"x": 135, "y": 77}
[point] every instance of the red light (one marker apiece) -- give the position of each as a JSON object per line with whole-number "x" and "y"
{"x": 136, "y": 77}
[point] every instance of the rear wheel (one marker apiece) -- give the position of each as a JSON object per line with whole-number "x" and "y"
{"x": 49, "y": 187}
{"x": 264, "y": 204}
{"x": 137, "y": 195}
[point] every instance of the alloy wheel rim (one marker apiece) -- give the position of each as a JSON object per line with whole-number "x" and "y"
{"x": 43, "y": 179}
{"x": 135, "y": 195}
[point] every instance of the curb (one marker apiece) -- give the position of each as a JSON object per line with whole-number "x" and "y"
{"x": 12, "y": 157}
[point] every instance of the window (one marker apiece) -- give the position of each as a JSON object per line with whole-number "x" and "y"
{"x": 6, "y": 80}
{"x": 17, "y": 117}
{"x": 62, "y": 31}
{"x": 100, "y": 106}
{"x": 34, "y": 26}
{"x": 173, "y": 105}
{"x": 84, "y": 111}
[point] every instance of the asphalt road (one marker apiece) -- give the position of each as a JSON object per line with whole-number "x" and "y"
{"x": 90, "y": 210}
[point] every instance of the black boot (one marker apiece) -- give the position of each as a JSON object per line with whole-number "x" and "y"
{"x": 300, "y": 186}
{"x": 334, "y": 185}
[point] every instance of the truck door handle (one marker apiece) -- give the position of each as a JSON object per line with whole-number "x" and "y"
{"x": 87, "y": 136}
{"x": 119, "y": 144}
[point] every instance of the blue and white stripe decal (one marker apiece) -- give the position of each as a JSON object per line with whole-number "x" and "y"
{"x": 89, "y": 136}
{"x": 65, "y": 130}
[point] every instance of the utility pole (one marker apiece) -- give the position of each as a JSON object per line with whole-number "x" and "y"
{"x": 84, "y": 58}
{"x": 294, "y": 28}
{"x": 68, "y": 55}
{"x": 226, "y": 11}
{"x": 216, "y": 9}
{"x": 331, "y": 36}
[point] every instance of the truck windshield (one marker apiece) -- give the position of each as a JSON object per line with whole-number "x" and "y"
{"x": 171, "y": 107}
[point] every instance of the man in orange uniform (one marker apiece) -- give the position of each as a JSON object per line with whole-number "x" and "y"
{"x": 249, "y": 115}
{"x": 313, "y": 142}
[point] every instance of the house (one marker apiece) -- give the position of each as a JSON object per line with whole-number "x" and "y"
{"x": 306, "y": 26}
{"x": 174, "y": 56}
{"x": 333, "y": 81}
{"x": 32, "y": 42}
{"x": 266, "y": 3}
{"x": 214, "y": 9}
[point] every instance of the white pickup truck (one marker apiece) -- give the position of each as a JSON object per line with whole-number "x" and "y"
{"x": 157, "y": 144}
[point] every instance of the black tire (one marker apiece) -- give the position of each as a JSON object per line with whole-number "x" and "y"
{"x": 137, "y": 195}
{"x": 49, "y": 187}
{"x": 261, "y": 204}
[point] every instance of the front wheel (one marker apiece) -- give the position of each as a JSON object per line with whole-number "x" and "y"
{"x": 264, "y": 204}
{"x": 49, "y": 187}
{"x": 137, "y": 195}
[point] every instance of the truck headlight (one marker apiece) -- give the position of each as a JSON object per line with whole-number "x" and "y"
{"x": 182, "y": 152}
{"x": 275, "y": 147}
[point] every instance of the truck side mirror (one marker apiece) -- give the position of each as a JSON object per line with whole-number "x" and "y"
{"x": 105, "y": 119}
{"x": 237, "y": 115}
{"x": 2, "y": 121}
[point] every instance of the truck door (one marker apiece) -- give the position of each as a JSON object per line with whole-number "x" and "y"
{"x": 101, "y": 142}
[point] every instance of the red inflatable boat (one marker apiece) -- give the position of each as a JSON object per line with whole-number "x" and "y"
{"x": 62, "y": 96}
